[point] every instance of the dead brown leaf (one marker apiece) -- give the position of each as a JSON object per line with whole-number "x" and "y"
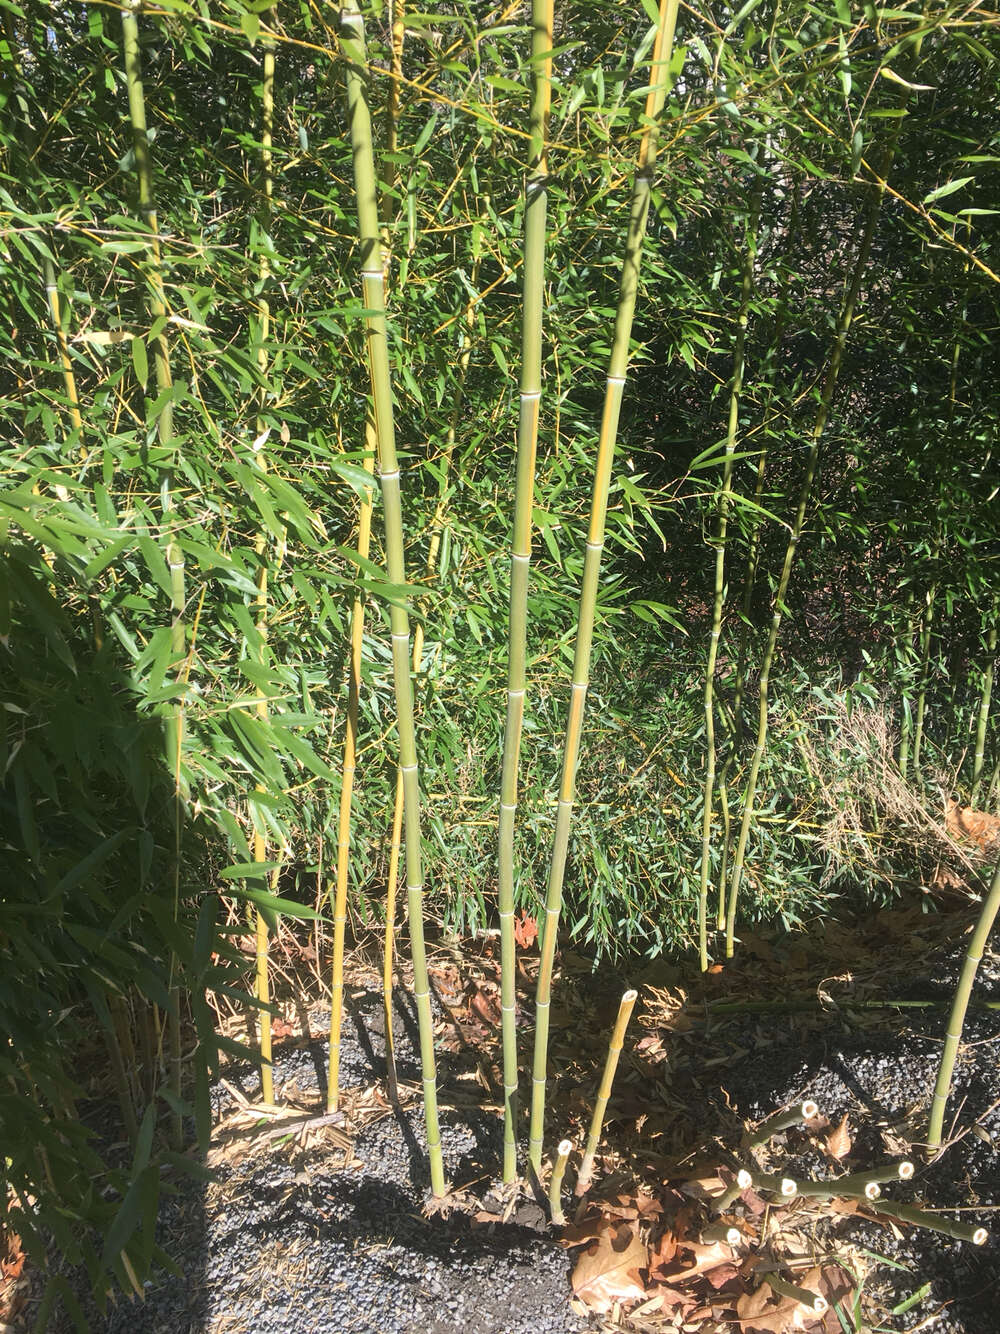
{"x": 608, "y": 1271}
{"x": 838, "y": 1143}
{"x": 707, "y": 1255}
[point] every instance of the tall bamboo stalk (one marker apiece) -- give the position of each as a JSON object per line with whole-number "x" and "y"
{"x": 352, "y": 41}
{"x": 719, "y": 598}
{"x": 956, "y": 1021}
{"x": 157, "y": 307}
{"x": 867, "y": 234}
{"x": 433, "y": 552}
{"x": 753, "y": 555}
{"x": 924, "y": 678}
{"x": 985, "y": 698}
{"x": 59, "y": 329}
{"x": 535, "y": 208}
{"x": 348, "y": 770}
{"x": 262, "y": 986}
{"x": 617, "y": 370}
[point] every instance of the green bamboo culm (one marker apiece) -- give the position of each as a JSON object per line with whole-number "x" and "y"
{"x": 867, "y": 227}
{"x": 719, "y": 597}
{"x": 625, "y": 1009}
{"x": 158, "y": 313}
{"x": 262, "y": 984}
{"x": 536, "y": 203}
{"x": 960, "y": 1004}
{"x": 985, "y": 699}
{"x": 352, "y": 44}
{"x": 555, "y": 1182}
{"x": 617, "y": 370}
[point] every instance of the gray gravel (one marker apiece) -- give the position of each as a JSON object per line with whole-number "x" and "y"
{"x": 287, "y": 1241}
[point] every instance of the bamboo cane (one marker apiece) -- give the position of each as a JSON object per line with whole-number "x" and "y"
{"x": 813, "y": 1300}
{"x": 352, "y": 40}
{"x": 956, "y": 1021}
{"x": 985, "y": 698}
{"x": 262, "y": 986}
{"x": 625, "y": 1009}
{"x": 174, "y": 555}
{"x": 803, "y": 1111}
{"x": 617, "y": 370}
{"x": 844, "y": 321}
{"x": 536, "y": 195}
{"x": 909, "y": 1213}
{"x": 719, "y": 596}
{"x": 555, "y": 1182}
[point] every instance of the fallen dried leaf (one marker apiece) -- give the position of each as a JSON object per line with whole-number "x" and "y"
{"x": 838, "y": 1142}
{"x": 608, "y": 1270}
{"x": 525, "y": 931}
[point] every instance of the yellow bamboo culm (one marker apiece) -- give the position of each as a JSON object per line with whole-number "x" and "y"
{"x": 604, "y": 1092}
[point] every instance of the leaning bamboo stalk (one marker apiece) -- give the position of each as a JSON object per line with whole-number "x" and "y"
{"x": 985, "y": 699}
{"x": 536, "y": 197}
{"x": 352, "y": 40}
{"x": 719, "y": 594}
{"x": 924, "y": 677}
{"x": 586, "y": 1172}
{"x": 617, "y": 370}
{"x": 156, "y": 301}
{"x": 844, "y": 322}
{"x": 956, "y": 1021}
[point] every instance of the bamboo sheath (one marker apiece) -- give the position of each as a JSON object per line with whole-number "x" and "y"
{"x": 536, "y": 194}
{"x": 157, "y": 306}
{"x": 352, "y": 40}
{"x": 617, "y": 369}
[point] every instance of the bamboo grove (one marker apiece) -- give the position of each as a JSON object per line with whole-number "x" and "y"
{"x": 380, "y": 386}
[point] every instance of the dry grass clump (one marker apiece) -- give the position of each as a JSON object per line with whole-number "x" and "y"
{"x": 873, "y": 824}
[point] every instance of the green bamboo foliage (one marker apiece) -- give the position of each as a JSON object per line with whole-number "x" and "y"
{"x": 352, "y": 39}
{"x": 719, "y": 597}
{"x": 617, "y": 370}
{"x": 924, "y": 677}
{"x": 867, "y": 227}
{"x": 536, "y": 198}
{"x": 960, "y": 1003}
{"x": 262, "y": 986}
{"x": 158, "y": 313}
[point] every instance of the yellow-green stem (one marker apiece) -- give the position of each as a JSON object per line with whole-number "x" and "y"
{"x": 625, "y": 1009}
{"x": 536, "y": 196}
{"x": 615, "y": 384}
{"x": 352, "y": 41}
